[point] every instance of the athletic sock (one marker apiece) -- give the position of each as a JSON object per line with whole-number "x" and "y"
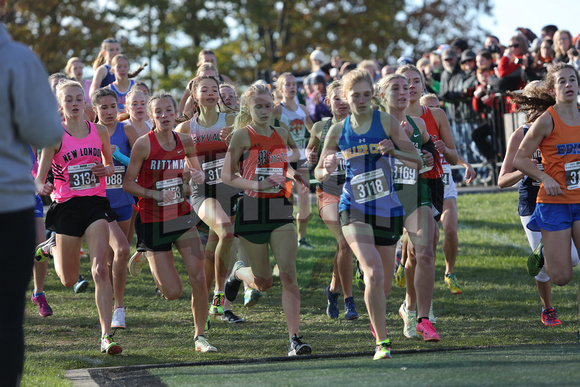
{"x": 38, "y": 294}
{"x": 421, "y": 319}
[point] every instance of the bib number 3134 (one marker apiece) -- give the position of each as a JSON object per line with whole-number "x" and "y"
{"x": 369, "y": 186}
{"x": 82, "y": 177}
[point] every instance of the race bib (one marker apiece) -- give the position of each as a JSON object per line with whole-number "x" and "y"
{"x": 81, "y": 177}
{"x": 175, "y": 185}
{"x": 262, "y": 174}
{"x": 572, "y": 175}
{"x": 403, "y": 174}
{"x": 116, "y": 179}
{"x": 369, "y": 186}
{"x": 341, "y": 167}
{"x": 447, "y": 176}
{"x": 213, "y": 171}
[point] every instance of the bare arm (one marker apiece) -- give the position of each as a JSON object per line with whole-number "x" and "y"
{"x": 314, "y": 143}
{"x": 307, "y": 121}
{"x": 522, "y": 160}
{"x": 447, "y": 148}
{"x": 42, "y": 187}
{"x": 328, "y": 161}
{"x": 97, "y": 79}
{"x": 508, "y": 175}
{"x": 107, "y": 168}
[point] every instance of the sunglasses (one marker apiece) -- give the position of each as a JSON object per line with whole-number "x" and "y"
{"x": 448, "y": 59}
{"x": 110, "y": 40}
{"x": 514, "y": 45}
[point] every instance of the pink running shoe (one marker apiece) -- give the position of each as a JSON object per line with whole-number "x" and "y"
{"x": 425, "y": 329}
{"x": 43, "y": 308}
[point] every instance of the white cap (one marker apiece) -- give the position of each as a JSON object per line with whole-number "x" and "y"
{"x": 317, "y": 55}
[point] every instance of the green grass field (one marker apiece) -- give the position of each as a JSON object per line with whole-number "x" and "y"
{"x": 499, "y": 307}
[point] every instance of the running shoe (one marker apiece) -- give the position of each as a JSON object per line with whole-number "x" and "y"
{"x": 109, "y": 346}
{"x": 536, "y": 260}
{"x": 305, "y": 245}
{"x": 297, "y": 347}
{"x": 549, "y": 317}
{"x": 409, "y": 322}
{"x": 207, "y": 324}
{"x": 233, "y": 284}
{"x": 118, "y": 320}
{"x": 201, "y": 345}
{"x": 349, "y": 309}
{"x": 136, "y": 263}
{"x": 217, "y": 305}
{"x": 451, "y": 281}
{"x": 276, "y": 271}
{"x": 383, "y": 350}
{"x": 43, "y": 308}
{"x": 578, "y": 337}
{"x": 81, "y": 285}
{"x": 230, "y": 317}
{"x": 251, "y": 297}
{"x": 425, "y": 329}
{"x": 82, "y": 254}
{"x": 44, "y": 250}
{"x": 359, "y": 277}
{"x": 158, "y": 293}
{"x": 332, "y": 308}
{"x": 431, "y": 314}
{"x": 400, "y": 276}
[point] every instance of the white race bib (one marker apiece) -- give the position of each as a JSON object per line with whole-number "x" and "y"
{"x": 213, "y": 171}
{"x": 82, "y": 177}
{"x": 572, "y": 175}
{"x": 173, "y": 185}
{"x": 403, "y": 174}
{"x": 369, "y": 186}
{"x": 262, "y": 174}
{"x": 341, "y": 167}
{"x": 116, "y": 179}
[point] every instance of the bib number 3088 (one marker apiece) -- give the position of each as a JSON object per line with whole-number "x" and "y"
{"x": 369, "y": 186}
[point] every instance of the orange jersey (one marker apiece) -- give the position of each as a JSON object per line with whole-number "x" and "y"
{"x": 267, "y": 156}
{"x": 561, "y": 160}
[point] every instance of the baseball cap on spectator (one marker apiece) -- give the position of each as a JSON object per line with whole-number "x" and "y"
{"x": 467, "y": 55}
{"x": 442, "y": 48}
{"x": 449, "y": 53}
{"x": 317, "y": 55}
{"x": 460, "y": 44}
{"x": 404, "y": 60}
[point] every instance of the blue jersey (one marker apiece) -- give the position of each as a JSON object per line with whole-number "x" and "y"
{"x": 529, "y": 188}
{"x": 368, "y": 187}
{"x": 115, "y": 193}
{"x": 121, "y": 97}
{"x": 109, "y": 78}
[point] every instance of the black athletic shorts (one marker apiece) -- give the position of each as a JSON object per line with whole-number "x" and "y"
{"x": 74, "y": 216}
{"x": 256, "y": 218}
{"x": 387, "y": 231}
{"x": 160, "y": 236}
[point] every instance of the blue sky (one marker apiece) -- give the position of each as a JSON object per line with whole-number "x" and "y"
{"x": 532, "y": 14}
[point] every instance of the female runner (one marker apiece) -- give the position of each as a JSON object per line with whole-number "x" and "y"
{"x": 122, "y": 138}
{"x": 295, "y": 117}
{"x": 370, "y": 211}
{"x": 557, "y": 134}
{"x": 122, "y": 84}
{"x": 80, "y": 164}
{"x": 328, "y": 195}
{"x": 528, "y": 194}
{"x": 102, "y": 65}
{"x": 158, "y": 174}
{"x": 213, "y": 201}
{"x": 257, "y": 161}
{"x": 415, "y": 196}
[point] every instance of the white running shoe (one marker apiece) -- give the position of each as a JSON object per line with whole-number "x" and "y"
{"x": 409, "y": 322}
{"x": 118, "y": 318}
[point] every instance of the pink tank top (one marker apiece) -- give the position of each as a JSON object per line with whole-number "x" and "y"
{"x": 71, "y": 166}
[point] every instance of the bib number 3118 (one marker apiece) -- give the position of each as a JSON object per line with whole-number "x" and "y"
{"x": 369, "y": 186}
